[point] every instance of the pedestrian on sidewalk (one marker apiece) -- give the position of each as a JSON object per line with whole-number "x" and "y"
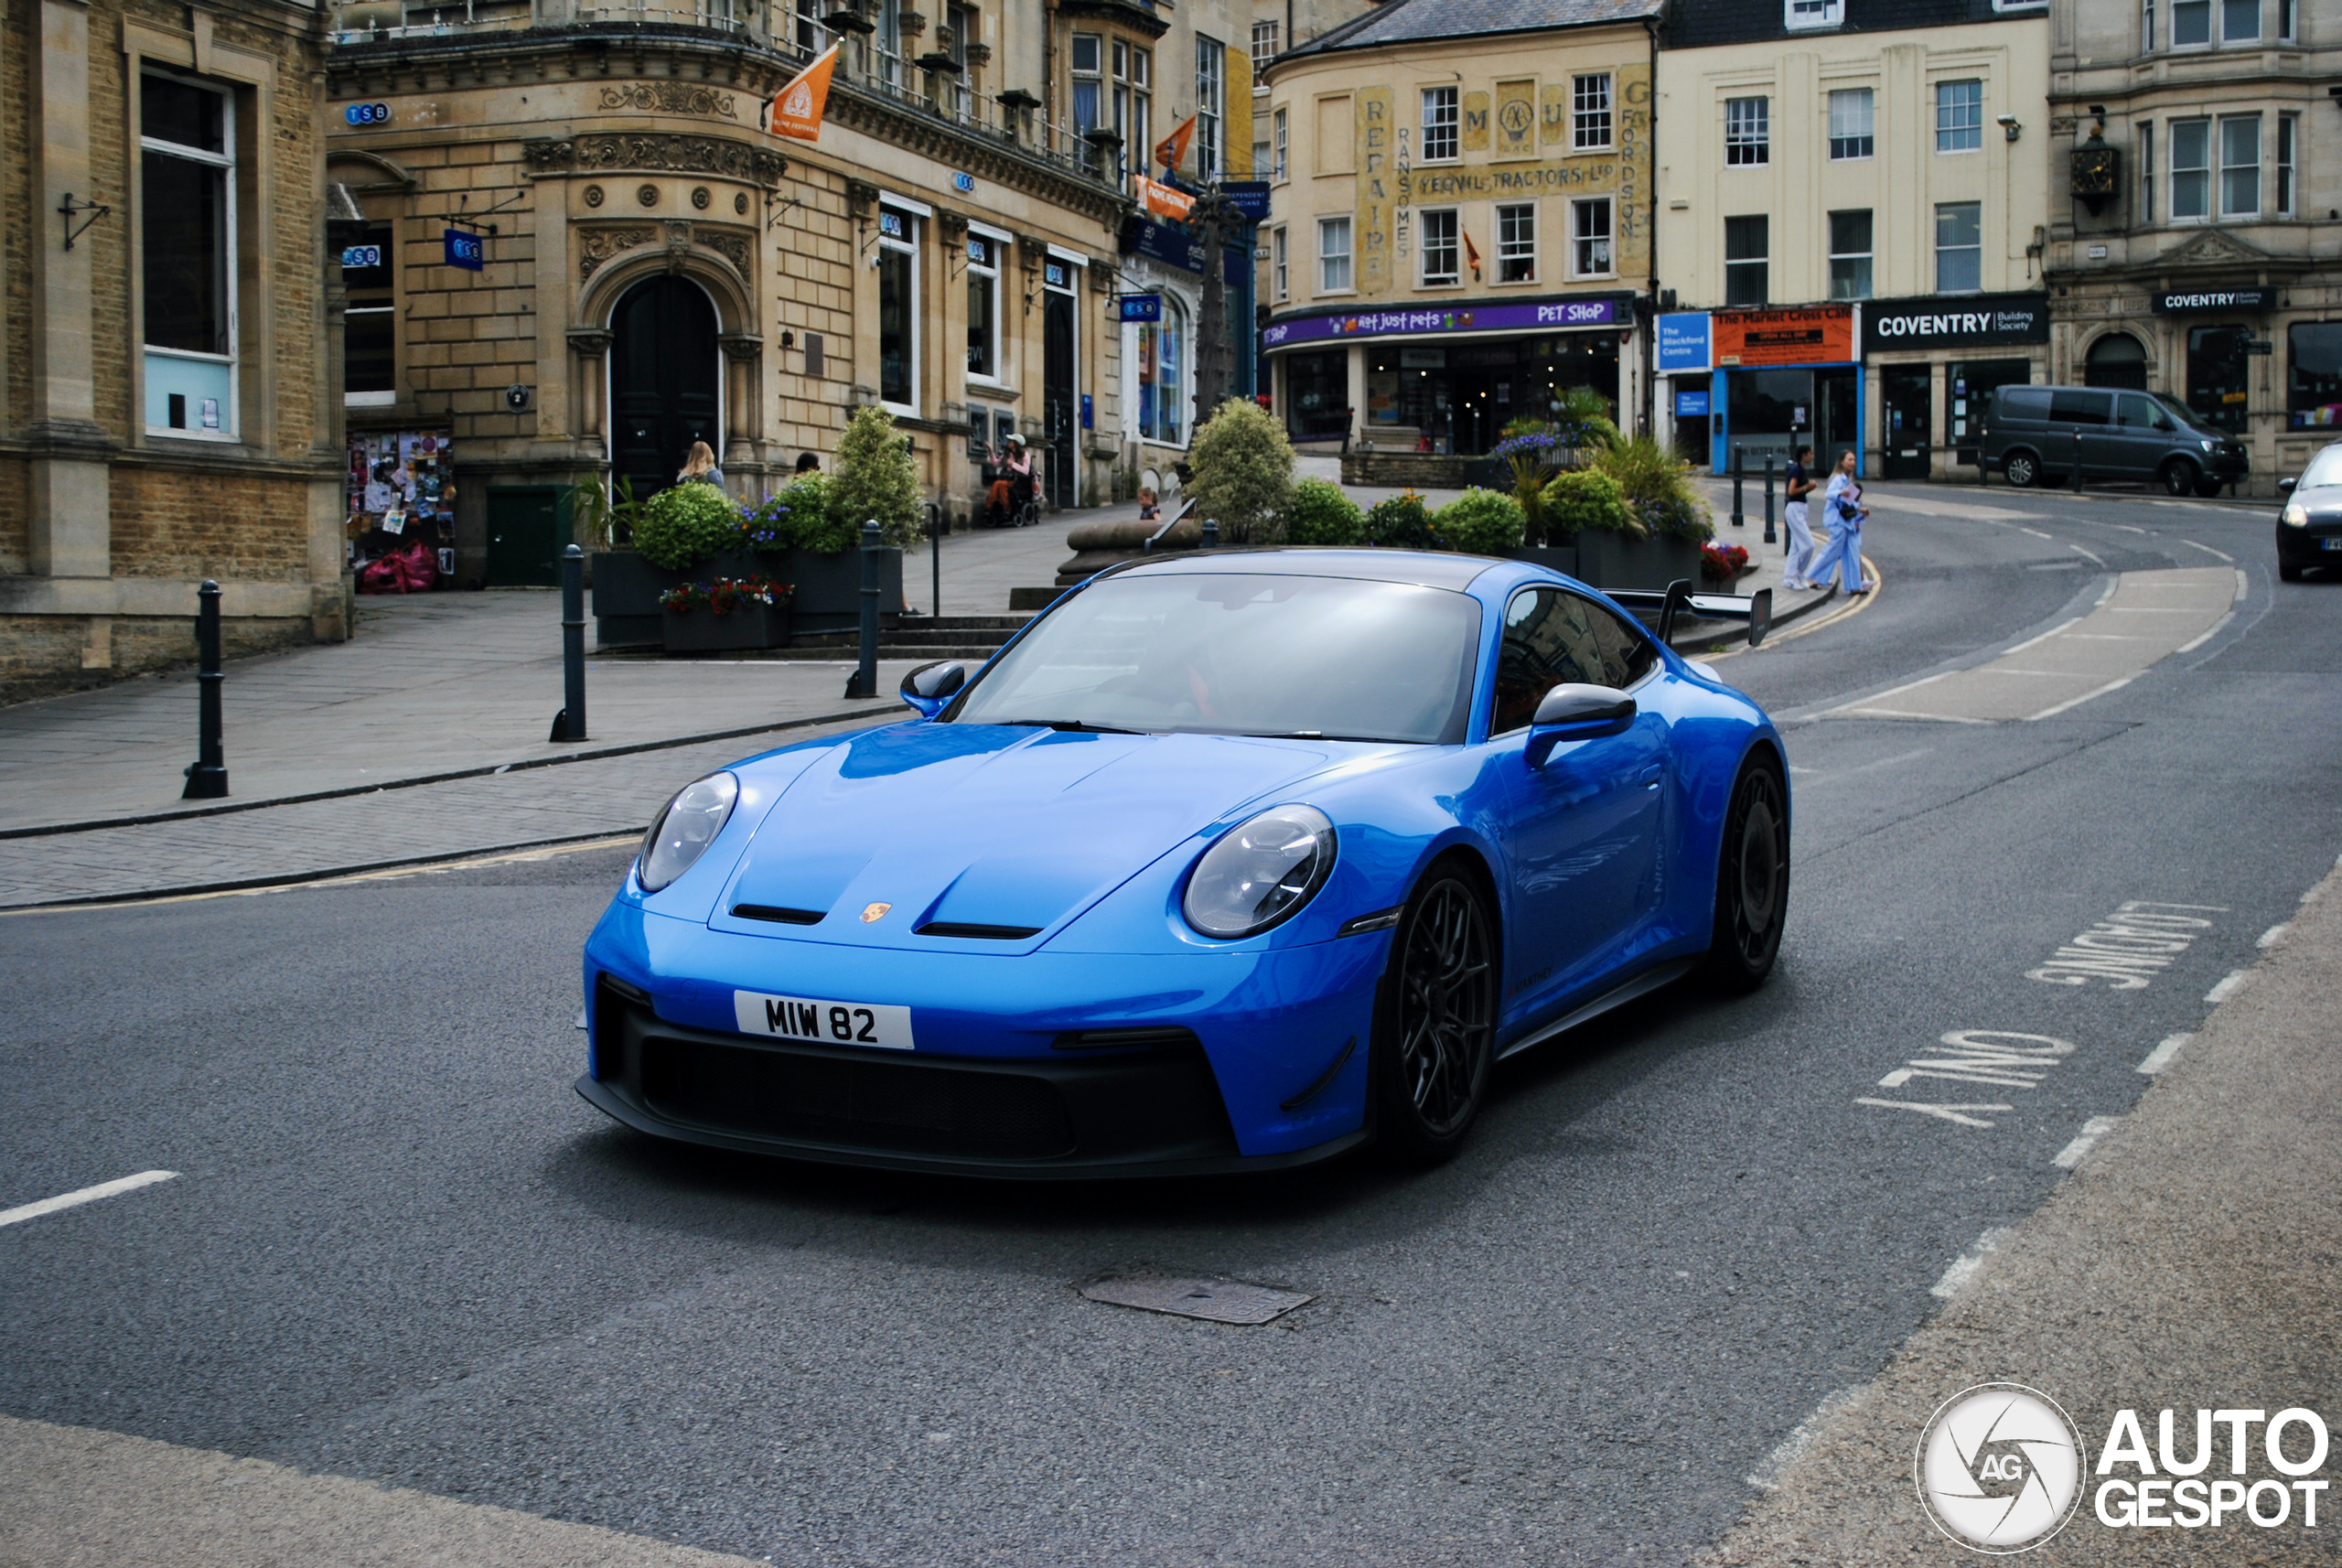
{"x": 1801, "y": 550}
{"x": 1149, "y": 509}
{"x": 699, "y": 468}
{"x": 1843, "y": 509}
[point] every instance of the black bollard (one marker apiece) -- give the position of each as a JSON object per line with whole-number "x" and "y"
{"x": 570, "y": 723}
{"x": 864, "y": 682}
{"x": 1770, "y": 537}
{"x": 935, "y": 554}
{"x": 2078, "y": 462}
{"x": 1739, "y": 468}
{"x": 206, "y": 776}
{"x": 1211, "y": 534}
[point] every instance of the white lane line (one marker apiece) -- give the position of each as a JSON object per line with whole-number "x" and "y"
{"x": 1774, "y": 1467}
{"x": 2228, "y": 987}
{"x": 2208, "y": 550}
{"x": 2243, "y": 586}
{"x": 1900, "y": 713}
{"x": 2029, "y": 641}
{"x": 1964, "y": 1268}
{"x": 1946, "y": 1112}
{"x": 2078, "y": 1151}
{"x": 2160, "y": 1058}
{"x": 2086, "y": 697}
{"x": 2035, "y": 531}
{"x": 2084, "y": 553}
{"x": 2125, "y": 527}
{"x": 2210, "y": 632}
{"x": 87, "y": 1195}
{"x": 2274, "y": 934}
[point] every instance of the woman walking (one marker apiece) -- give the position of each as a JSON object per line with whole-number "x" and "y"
{"x": 1801, "y": 550}
{"x": 1842, "y": 508}
{"x": 698, "y": 466}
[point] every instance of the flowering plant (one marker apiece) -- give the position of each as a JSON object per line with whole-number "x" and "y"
{"x": 1723, "y": 562}
{"x": 764, "y": 525}
{"x": 725, "y": 595}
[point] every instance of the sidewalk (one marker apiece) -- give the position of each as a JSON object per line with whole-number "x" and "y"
{"x": 2189, "y": 1263}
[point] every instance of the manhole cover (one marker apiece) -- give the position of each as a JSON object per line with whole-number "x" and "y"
{"x": 1214, "y": 1301}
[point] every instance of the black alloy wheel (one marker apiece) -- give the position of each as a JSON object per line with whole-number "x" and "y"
{"x": 1752, "y": 881}
{"x": 1436, "y": 1043}
{"x": 2178, "y": 476}
{"x": 2021, "y": 470}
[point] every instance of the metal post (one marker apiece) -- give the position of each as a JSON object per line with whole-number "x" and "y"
{"x": 569, "y": 724}
{"x": 1770, "y": 537}
{"x": 2078, "y": 462}
{"x": 1739, "y": 466}
{"x": 863, "y": 682}
{"x": 935, "y": 554}
{"x": 206, "y": 776}
{"x": 1211, "y": 534}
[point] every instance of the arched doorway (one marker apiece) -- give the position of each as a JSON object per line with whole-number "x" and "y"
{"x": 664, "y": 375}
{"x": 2116, "y": 361}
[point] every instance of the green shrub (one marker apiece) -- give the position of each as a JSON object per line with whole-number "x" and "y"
{"x": 874, "y": 478}
{"x": 1658, "y": 487}
{"x": 1321, "y": 512}
{"x": 686, "y": 524}
{"x": 1481, "y": 522}
{"x": 1242, "y": 468}
{"x": 1401, "y": 522}
{"x": 815, "y": 522}
{"x": 1589, "y": 500}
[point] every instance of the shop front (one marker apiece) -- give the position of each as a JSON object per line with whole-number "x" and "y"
{"x": 1932, "y": 363}
{"x": 1446, "y": 383}
{"x": 1751, "y": 383}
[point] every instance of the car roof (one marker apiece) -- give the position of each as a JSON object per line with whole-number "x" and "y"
{"x": 1423, "y": 568}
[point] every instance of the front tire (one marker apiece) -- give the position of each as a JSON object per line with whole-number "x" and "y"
{"x": 1435, "y": 1045}
{"x": 1752, "y": 881}
{"x": 2178, "y": 476}
{"x": 2021, "y": 470}
{"x": 2207, "y": 486}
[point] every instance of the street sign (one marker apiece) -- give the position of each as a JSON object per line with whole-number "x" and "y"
{"x": 1691, "y": 404}
{"x": 1141, "y": 307}
{"x": 1249, "y": 197}
{"x": 468, "y": 252}
{"x": 361, "y": 256}
{"x": 367, "y": 114}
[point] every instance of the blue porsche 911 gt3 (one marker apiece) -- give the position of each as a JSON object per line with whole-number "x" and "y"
{"x": 1229, "y": 861}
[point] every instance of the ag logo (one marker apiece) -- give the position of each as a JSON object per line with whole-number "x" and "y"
{"x": 1999, "y": 1468}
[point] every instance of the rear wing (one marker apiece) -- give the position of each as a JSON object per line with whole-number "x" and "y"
{"x": 1660, "y": 611}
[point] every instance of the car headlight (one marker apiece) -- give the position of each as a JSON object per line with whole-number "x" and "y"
{"x": 2209, "y": 445}
{"x": 2295, "y": 515}
{"x": 1260, "y": 873}
{"x": 685, "y": 829}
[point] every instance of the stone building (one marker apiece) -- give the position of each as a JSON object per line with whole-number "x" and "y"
{"x": 1850, "y": 201}
{"x": 2195, "y": 188}
{"x": 163, "y": 415}
{"x": 1462, "y": 226}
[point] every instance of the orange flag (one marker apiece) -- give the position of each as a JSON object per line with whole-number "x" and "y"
{"x": 1163, "y": 200}
{"x": 1472, "y": 254}
{"x": 797, "y": 112}
{"x": 1171, "y": 150}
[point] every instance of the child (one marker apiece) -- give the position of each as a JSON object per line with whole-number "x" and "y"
{"x": 1148, "y": 511}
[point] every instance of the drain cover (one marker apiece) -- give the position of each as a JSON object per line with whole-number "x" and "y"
{"x": 1214, "y": 1301}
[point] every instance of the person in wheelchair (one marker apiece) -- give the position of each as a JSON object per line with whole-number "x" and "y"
{"x": 1010, "y": 470}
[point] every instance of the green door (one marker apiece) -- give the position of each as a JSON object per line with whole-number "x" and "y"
{"x": 524, "y": 536}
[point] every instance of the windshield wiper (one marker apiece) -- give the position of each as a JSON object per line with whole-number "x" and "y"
{"x": 1077, "y": 727}
{"x": 1315, "y": 735}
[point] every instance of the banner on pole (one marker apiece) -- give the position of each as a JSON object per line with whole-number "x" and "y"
{"x": 797, "y": 111}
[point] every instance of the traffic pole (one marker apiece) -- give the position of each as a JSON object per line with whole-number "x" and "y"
{"x": 570, "y": 723}
{"x": 863, "y": 682}
{"x": 1770, "y": 537}
{"x": 206, "y": 776}
{"x": 1739, "y": 472}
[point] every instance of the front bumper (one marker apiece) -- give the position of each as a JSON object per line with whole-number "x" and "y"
{"x": 2307, "y": 546}
{"x": 1231, "y": 1072}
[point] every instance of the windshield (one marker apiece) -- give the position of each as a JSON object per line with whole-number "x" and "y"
{"x": 2326, "y": 469}
{"x": 2180, "y": 412}
{"x": 1229, "y": 653}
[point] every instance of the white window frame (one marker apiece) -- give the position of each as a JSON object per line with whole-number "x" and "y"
{"x": 2146, "y": 26}
{"x": 1592, "y": 123}
{"x": 232, "y": 406}
{"x": 1281, "y": 137}
{"x": 1211, "y": 106}
{"x": 2146, "y": 171}
{"x": 1868, "y": 257}
{"x": 1001, "y": 242}
{"x": 1452, "y": 244}
{"x": 1855, "y": 145}
{"x": 909, "y": 245}
{"x": 1951, "y": 128}
{"x": 2288, "y": 21}
{"x": 2004, "y": 6}
{"x": 1280, "y": 265}
{"x": 1183, "y": 387}
{"x": 1263, "y": 32}
{"x": 1511, "y": 249}
{"x": 2259, "y": 31}
{"x": 1748, "y": 131}
{"x": 1799, "y": 15}
{"x": 1941, "y": 249}
{"x": 2228, "y": 170}
{"x": 1580, "y": 207}
{"x": 1444, "y": 118}
{"x": 2211, "y": 25}
{"x": 2205, "y": 170}
{"x": 1763, "y": 263}
{"x": 1327, "y": 256}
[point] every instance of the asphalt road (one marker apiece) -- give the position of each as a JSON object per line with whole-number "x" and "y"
{"x": 402, "y": 1249}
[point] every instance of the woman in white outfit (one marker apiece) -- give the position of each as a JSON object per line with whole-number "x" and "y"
{"x": 1801, "y": 550}
{"x": 1842, "y": 507}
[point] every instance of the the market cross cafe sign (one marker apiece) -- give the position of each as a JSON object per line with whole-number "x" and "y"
{"x": 1954, "y": 321}
{"x": 1516, "y": 148}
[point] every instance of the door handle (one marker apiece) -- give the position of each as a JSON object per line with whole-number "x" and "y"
{"x": 1650, "y": 776}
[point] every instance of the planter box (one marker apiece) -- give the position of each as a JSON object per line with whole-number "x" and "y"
{"x": 829, "y": 589}
{"x": 1562, "y": 558}
{"x": 703, "y": 631}
{"x": 627, "y": 587}
{"x": 1606, "y": 560}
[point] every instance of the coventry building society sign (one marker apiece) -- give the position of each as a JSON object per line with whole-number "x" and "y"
{"x": 1983, "y": 321}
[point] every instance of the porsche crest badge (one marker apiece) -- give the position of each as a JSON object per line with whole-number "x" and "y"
{"x": 873, "y": 911}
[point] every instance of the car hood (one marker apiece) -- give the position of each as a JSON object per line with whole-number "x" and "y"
{"x": 2323, "y": 502}
{"x": 989, "y": 825}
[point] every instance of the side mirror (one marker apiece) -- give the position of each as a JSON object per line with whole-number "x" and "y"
{"x": 1576, "y": 711}
{"x": 2285, "y": 486}
{"x": 930, "y": 686}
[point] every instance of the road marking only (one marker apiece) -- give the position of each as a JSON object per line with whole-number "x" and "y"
{"x": 87, "y": 1195}
{"x": 2160, "y": 1058}
{"x": 2078, "y": 1151}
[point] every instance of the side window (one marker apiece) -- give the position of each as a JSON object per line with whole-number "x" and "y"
{"x": 2136, "y": 412}
{"x": 1549, "y": 637}
{"x": 1627, "y": 655}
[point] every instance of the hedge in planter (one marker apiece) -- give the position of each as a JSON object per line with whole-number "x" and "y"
{"x": 1321, "y": 512}
{"x": 1401, "y": 522}
{"x": 686, "y": 524}
{"x": 1242, "y": 466}
{"x": 1480, "y": 522}
{"x": 874, "y": 478}
{"x": 1587, "y": 500}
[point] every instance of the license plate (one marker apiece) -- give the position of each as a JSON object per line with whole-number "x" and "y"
{"x": 827, "y": 1023}
{"x": 2333, "y": 544}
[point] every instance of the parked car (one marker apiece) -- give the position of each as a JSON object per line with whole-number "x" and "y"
{"x": 2309, "y": 531}
{"x": 2036, "y": 434}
